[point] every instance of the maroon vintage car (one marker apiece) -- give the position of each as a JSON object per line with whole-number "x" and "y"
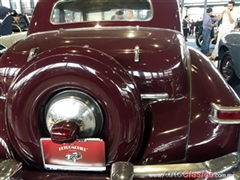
{"x": 108, "y": 89}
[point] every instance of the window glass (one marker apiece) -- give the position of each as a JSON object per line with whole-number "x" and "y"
{"x": 6, "y": 3}
{"x": 16, "y": 6}
{"x": 92, "y": 10}
{"x": 26, "y": 6}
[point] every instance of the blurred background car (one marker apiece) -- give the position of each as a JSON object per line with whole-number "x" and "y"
{"x": 18, "y": 28}
{"x": 199, "y": 37}
{"x": 229, "y": 65}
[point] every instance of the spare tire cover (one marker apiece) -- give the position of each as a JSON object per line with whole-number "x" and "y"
{"x": 86, "y": 70}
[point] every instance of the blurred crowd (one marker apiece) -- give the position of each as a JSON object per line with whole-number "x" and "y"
{"x": 224, "y": 22}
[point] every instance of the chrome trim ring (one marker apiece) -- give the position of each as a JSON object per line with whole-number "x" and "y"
{"x": 155, "y": 96}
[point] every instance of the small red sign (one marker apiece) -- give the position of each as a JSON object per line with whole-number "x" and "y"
{"x": 82, "y": 155}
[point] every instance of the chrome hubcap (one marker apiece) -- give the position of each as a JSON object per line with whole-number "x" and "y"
{"x": 227, "y": 69}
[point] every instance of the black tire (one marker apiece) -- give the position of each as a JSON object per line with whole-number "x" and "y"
{"x": 213, "y": 41}
{"x": 227, "y": 69}
{"x": 199, "y": 40}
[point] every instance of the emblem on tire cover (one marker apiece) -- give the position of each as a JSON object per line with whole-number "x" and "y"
{"x": 73, "y": 157}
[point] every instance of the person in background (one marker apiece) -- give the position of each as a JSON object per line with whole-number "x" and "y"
{"x": 6, "y": 26}
{"x": 229, "y": 18}
{"x": 55, "y": 19}
{"x": 185, "y": 25}
{"x": 192, "y": 24}
{"x": 70, "y": 18}
{"x": 130, "y": 15}
{"x": 208, "y": 24}
{"x": 19, "y": 21}
{"x": 118, "y": 15}
{"x": 198, "y": 26}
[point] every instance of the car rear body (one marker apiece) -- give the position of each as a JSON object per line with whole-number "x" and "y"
{"x": 158, "y": 101}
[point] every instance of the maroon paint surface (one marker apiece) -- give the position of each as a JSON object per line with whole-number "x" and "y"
{"x": 142, "y": 131}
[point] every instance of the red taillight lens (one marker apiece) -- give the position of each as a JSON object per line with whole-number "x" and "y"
{"x": 65, "y": 132}
{"x": 229, "y": 115}
{"x": 225, "y": 114}
{"x": 61, "y": 134}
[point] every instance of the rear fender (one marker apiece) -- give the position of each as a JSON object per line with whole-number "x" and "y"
{"x": 208, "y": 87}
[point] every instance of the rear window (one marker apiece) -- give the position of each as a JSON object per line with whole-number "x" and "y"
{"x": 101, "y": 10}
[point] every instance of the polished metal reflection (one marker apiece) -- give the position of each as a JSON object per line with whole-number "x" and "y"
{"x": 72, "y": 108}
{"x": 9, "y": 168}
{"x": 225, "y": 108}
{"x": 32, "y": 53}
{"x": 227, "y": 164}
{"x": 136, "y": 52}
{"x": 3, "y": 49}
{"x": 223, "y": 163}
{"x": 155, "y": 96}
{"x": 122, "y": 171}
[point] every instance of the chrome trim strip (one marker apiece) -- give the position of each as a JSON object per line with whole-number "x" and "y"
{"x": 3, "y": 97}
{"x": 137, "y": 52}
{"x": 224, "y": 165}
{"x": 189, "y": 67}
{"x": 103, "y": 28}
{"x": 161, "y": 170}
{"x": 155, "y": 96}
{"x": 216, "y": 107}
{"x": 9, "y": 168}
{"x": 225, "y": 108}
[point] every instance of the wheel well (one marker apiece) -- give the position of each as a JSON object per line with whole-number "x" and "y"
{"x": 222, "y": 50}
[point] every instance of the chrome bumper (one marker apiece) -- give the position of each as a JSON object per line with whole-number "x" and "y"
{"x": 225, "y": 167}
{"x": 10, "y": 169}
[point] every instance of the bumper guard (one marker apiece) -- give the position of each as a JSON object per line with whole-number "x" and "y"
{"x": 224, "y": 167}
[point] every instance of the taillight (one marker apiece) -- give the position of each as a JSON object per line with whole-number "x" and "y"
{"x": 228, "y": 115}
{"x": 225, "y": 114}
{"x": 65, "y": 132}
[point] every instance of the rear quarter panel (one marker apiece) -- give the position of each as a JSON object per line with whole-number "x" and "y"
{"x": 206, "y": 136}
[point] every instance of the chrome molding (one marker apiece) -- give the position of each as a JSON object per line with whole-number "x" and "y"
{"x": 9, "y": 168}
{"x": 104, "y": 28}
{"x": 215, "y": 108}
{"x": 136, "y": 52}
{"x": 219, "y": 167}
{"x": 3, "y": 97}
{"x": 155, "y": 96}
{"x": 225, "y": 108}
{"x": 32, "y": 53}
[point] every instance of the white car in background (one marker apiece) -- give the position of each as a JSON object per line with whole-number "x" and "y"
{"x": 18, "y": 33}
